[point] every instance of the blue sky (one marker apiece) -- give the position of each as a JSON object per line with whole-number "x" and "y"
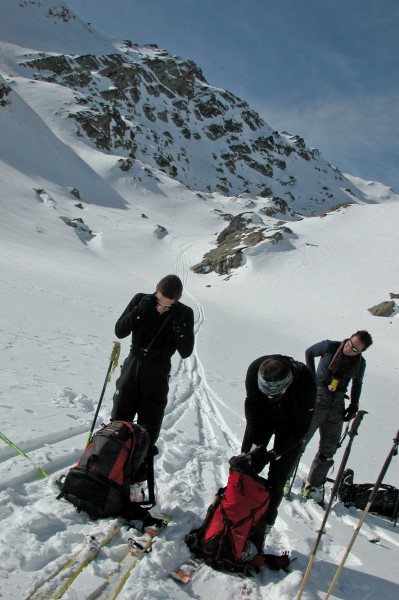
{"x": 327, "y": 70}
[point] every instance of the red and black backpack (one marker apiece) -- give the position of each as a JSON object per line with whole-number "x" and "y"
{"x": 100, "y": 482}
{"x": 232, "y": 534}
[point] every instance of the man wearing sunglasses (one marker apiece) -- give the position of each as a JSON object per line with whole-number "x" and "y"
{"x": 280, "y": 400}
{"x": 340, "y": 363}
{"x": 159, "y": 324}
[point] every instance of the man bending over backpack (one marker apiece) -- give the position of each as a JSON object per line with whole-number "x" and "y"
{"x": 280, "y": 400}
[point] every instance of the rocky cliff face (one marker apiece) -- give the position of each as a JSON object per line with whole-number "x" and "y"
{"x": 144, "y": 104}
{"x": 154, "y": 112}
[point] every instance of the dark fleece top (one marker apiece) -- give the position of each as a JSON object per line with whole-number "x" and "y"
{"x": 147, "y": 328}
{"x": 290, "y": 418}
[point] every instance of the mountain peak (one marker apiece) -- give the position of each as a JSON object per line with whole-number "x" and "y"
{"x": 143, "y": 110}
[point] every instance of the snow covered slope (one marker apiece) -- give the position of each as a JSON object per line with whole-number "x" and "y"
{"x": 77, "y": 239}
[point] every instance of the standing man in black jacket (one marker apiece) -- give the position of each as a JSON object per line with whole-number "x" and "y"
{"x": 339, "y": 364}
{"x": 160, "y": 324}
{"x": 280, "y": 400}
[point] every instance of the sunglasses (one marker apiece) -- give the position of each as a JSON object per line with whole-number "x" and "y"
{"x": 353, "y": 348}
{"x": 167, "y": 306}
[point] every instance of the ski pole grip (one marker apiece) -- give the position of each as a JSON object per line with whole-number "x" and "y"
{"x": 114, "y": 358}
{"x": 396, "y": 443}
{"x": 356, "y": 422}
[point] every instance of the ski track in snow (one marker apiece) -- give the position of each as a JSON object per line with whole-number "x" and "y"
{"x": 184, "y": 479}
{"x": 191, "y": 467}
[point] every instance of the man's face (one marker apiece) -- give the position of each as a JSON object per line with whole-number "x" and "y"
{"x": 353, "y": 346}
{"x": 163, "y": 303}
{"x": 277, "y": 397}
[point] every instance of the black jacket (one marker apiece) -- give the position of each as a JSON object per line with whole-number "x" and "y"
{"x": 290, "y": 418}
{"x": 159, "y": 332}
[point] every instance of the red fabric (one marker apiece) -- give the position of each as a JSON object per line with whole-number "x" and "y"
{"x": 243, "y": 497}
{"x": 116, "y": 474}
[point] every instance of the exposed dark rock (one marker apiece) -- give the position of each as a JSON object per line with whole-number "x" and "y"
{"x": 84, "y": 233}
{"x": 232, "y": 125}
{"x": 177, "y": 77}
{"x": 383, "y": 309}
{"x": 61, "y": 13}
{"x": 163, "y": 116}
{"x": 264, "y": 169}
{"x": 125, "y": 164}
{"x": 4, "y": 91}
{"x": 160, "y": 231}
{"x": 45, "y": 197}
{"x": 266, "y": 192}
{"x": 211, "y": 107}
{"x": 77, "y": 223}
{"x": 215, "y": 131}
{"x": 241, "y": 233}
{"x": 158, "y": 109}
{"x": 177, "y": 119}
{"x": 149, "y": 112}
{"x": 252, "y": 119}
{"x": 264, "y": 143}
{"x": 280, "y": 206}
{"x": 325, "y": 213}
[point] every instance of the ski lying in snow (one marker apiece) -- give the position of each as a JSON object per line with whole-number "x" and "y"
{"x": 56, "y": 585}
{"x": 187, "y": 570}
{"x": 138, "y": 548}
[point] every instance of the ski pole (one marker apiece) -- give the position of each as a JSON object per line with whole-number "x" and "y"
{"x": 351, "y": 433}
{"x": 113, "y": 363}
{"x": 288, "y": 494}
{"x": 22, "y": 453}
{"x": 396, "y": 509}
{"x": 341, "y": 441}
{"x": 373, "y": 493}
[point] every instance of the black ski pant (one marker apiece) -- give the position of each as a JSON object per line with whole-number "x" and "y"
{"x": 279, "y": 469}
{"x": 278, "y": 473}
{"x": 142, "y": 391}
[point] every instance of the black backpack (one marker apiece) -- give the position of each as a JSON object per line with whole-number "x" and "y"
{"x": 232, "y": 534}
{"x": 385, "y": 503}
{"x": 99, "y": 484}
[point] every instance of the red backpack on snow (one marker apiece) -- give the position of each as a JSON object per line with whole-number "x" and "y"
{"x": 231, "y": 536}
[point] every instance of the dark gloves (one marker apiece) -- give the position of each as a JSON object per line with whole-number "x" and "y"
{"x": 272, "y": 455}
{"x": 177, "y": 313}
{"x": 260, "y": 457}
{"x": 277, "y": 562}
{"x": 145, "y": 523}
{"x": 350, "y": 411}
{"x": 146, "y": 304}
